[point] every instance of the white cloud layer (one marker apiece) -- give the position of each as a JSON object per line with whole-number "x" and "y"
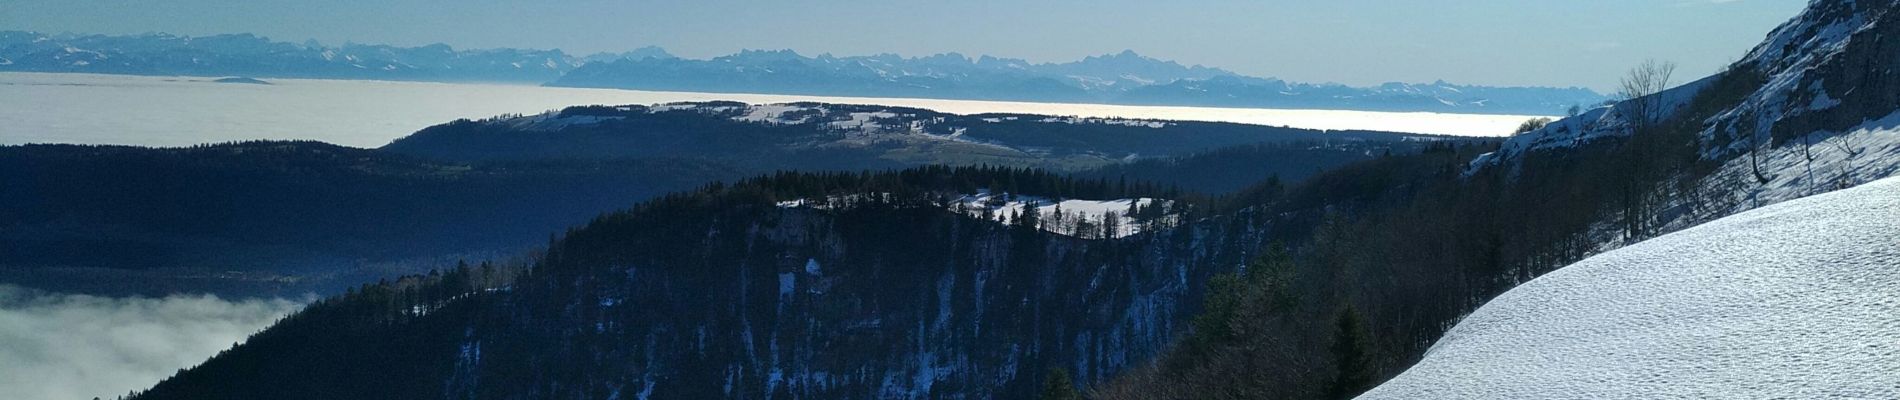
{"x": 67, "y": 346}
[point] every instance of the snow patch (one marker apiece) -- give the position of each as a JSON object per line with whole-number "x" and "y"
{"x": 1108, "y": 121}
{"x": 773, "y": 114}
{"x": 1077, "y": 216}
{"x": 865, "y": 121}
{"x": 1822, "y": 101}
{"x": 787, "y": 283}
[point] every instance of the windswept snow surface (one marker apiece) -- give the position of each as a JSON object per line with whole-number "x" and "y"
{"x": 1794, "y": 300}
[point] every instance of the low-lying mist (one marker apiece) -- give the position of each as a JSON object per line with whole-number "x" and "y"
{"x": 68, "y": 346}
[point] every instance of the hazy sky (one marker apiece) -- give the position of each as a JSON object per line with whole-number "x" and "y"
{"x": 1496, "y": 42}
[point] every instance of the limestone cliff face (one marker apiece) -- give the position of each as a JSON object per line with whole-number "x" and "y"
{"x": 1840, "y": 76}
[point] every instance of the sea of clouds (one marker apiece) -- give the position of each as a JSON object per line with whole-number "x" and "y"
{"x": 70, "y": 346}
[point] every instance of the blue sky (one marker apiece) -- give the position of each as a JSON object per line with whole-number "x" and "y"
{"x": 1495, "y": 42}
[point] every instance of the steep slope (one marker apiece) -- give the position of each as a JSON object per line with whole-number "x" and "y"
{"x": 1397, "y": 265}
{"x": 1808, "y": 111}
{"x": 1792, "y": 300}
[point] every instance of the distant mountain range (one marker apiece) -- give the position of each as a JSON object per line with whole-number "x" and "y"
{"x": 251, "y": 55}
{"x": 1125, "y": 78}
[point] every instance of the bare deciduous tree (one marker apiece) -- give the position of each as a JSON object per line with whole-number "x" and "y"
{"x": 1757, "y": 147}
{"x": 1845, "y": 144}
{"x": 1642, "y": 111}
{"x": 1640, "y": 106}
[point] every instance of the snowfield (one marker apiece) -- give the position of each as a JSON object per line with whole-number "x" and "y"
{"x": 1795, "y": 300}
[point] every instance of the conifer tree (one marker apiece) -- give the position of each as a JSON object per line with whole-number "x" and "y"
{"x": 1352, "y": 356}
{"x": 1058, "y": 386}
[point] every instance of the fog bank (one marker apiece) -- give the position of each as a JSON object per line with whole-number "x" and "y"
{"x": 67, "y": 346}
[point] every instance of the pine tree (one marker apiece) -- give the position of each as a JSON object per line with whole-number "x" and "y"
{"x": 1058, "y": 386}
{"x": 1352, "y": 356}
{"x": 1032, "y": 215}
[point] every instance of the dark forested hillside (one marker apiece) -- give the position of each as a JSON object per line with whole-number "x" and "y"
{"x": 1228, "y": 170}
{"x": 727, "y": 292}
{"x": 890, "y": 293}
{"x": 265, "y": 217}
{"x": 887, "y": 293}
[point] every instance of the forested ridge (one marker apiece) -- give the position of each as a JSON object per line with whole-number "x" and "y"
{"x": 832, "y": 301}
{"x": 822, "y": 136}
{"x": 605, "y": 292}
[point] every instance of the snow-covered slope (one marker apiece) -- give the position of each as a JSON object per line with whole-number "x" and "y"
{"x": 1795, "y": 300}
{"x": 1810, "y": 110}
{"x": 1790, "y": 62}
